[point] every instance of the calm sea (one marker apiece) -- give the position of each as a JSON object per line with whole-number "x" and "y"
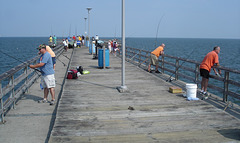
{"x": 24, "y": 48}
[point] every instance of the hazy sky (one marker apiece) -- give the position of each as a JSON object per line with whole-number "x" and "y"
{"x": 181, "y": 18}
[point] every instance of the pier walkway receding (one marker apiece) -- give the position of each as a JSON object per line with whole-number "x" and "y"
{"x": 92, "y": 110}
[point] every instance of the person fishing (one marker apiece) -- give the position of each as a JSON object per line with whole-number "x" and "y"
{"x": 47, "y": 79}
{"x": 209, "y": 61}
{"x": 154, "y": 58}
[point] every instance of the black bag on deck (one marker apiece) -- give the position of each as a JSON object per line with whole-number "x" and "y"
{"x": 80, "y": 69}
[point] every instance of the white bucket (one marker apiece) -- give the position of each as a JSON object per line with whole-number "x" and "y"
{"x": 191, "y": 90}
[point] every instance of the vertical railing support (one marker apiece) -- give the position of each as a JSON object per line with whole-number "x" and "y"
{"x": 226, "y": 78}
{"x": 176, "y": 69}
{"x": 26, "y": 79}
{"x": 139, "y": 56}
{"x": 1, "y": 102}
{"x": 12, "y": 96}
{"x": 196, "y": 73}
{"x": 162, "y": 65}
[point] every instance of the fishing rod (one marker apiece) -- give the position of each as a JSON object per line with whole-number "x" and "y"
{"x": 170, "y": 78}
{"x": 61, "y": 62}
{"x": 66, "y": 57}
{"x": 17, "y": 60}
{"x": 155, "y": 38}
{"x": 157, "y": 30}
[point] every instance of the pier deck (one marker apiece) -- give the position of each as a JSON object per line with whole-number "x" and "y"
{"x": 92, "y": 110}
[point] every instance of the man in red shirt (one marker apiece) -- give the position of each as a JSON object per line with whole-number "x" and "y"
{"x": 210, "y": 60}
{"x": 154, "y": 58}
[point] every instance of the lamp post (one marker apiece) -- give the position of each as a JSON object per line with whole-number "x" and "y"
{"x": 123, "y": 87}
{"x": 85, "y": 27}
{"x": 89, "y": 23}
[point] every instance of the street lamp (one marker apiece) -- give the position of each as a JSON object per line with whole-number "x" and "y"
{"x": 89, "y": 24}
{"x": 123, "y": 87}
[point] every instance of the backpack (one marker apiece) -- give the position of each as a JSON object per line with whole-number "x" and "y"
{"x": 72, "y": 74}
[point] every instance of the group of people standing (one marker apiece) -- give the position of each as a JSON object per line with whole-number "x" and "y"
{"x": 75, "y": 42}
{"x": 52, "y": 40}
{"x": 113, "y": 46}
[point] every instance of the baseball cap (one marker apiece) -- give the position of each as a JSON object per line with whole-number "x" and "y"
{"x": 41, "y": 46}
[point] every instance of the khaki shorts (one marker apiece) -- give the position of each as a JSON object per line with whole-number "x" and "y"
{"x": 153, "y": 60}
{"x": 48, "y": 81}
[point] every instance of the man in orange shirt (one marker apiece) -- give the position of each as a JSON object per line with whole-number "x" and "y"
{"x": 210, "y": 60}
{"x": 154, "y": 58}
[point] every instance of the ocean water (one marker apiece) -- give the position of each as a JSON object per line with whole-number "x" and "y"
{"x": 24, "y": 48}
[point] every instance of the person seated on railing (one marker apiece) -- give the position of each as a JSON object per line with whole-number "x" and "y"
{"x": 154, "y": 58}
{"x": 210, "y": 60}
{"x": 47, "y": 78}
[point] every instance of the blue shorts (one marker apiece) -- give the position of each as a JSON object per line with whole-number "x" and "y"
{"x": 53, "y": 60}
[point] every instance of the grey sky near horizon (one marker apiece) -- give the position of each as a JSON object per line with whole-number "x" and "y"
{"x": 180, "y": 18}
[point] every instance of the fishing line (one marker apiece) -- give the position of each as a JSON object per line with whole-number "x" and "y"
{"x": 170, "y": 78}
{"x": 17, "y": 60}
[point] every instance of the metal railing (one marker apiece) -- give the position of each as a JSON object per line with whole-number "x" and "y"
{"x": 172, "y": 65}
{"x": 17, "y": 81}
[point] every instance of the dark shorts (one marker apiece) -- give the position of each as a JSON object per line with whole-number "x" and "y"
{"x": 53, "y": 60}
{"x": 204, "y": 73}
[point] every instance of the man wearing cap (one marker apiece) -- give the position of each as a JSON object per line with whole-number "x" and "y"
{"x": 47, "y": 79}
{"x": 154, "y": 58}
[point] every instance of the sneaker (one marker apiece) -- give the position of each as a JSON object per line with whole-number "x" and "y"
{"x": 158, "y": 71}
{"x": 150, "y": 71}
{"x": 206, "y": 95}
{"x": 52, "y": 102}
{"x": 42, "y": 101}
{"x": 201, "y": 92}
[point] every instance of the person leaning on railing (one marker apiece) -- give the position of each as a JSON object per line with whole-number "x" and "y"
{"x": 154, "y": 58}
{"x": 210, "y": 60}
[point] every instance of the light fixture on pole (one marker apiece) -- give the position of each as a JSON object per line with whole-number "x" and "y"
{"x": 89, "y": 24}
{"x": 85, "y": 27}
{"x": 123, "y": 87}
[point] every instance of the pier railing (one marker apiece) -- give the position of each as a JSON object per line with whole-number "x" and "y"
{"x": 189, "y": 70}
{"x": 17, "y": 81}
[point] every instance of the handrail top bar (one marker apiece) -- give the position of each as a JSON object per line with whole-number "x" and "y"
{"x": 195, "y": 62}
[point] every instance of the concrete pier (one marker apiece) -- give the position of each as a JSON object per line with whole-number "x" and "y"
{"x": 90, "y": 109}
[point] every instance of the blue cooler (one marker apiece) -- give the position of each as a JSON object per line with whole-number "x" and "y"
{"x": 100, "y": 58}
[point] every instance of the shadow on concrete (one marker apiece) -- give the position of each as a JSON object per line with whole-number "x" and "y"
{"x": 98, "y": 84}
{"x": 230, "y": 133}
{"x": 30, "y": 97}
